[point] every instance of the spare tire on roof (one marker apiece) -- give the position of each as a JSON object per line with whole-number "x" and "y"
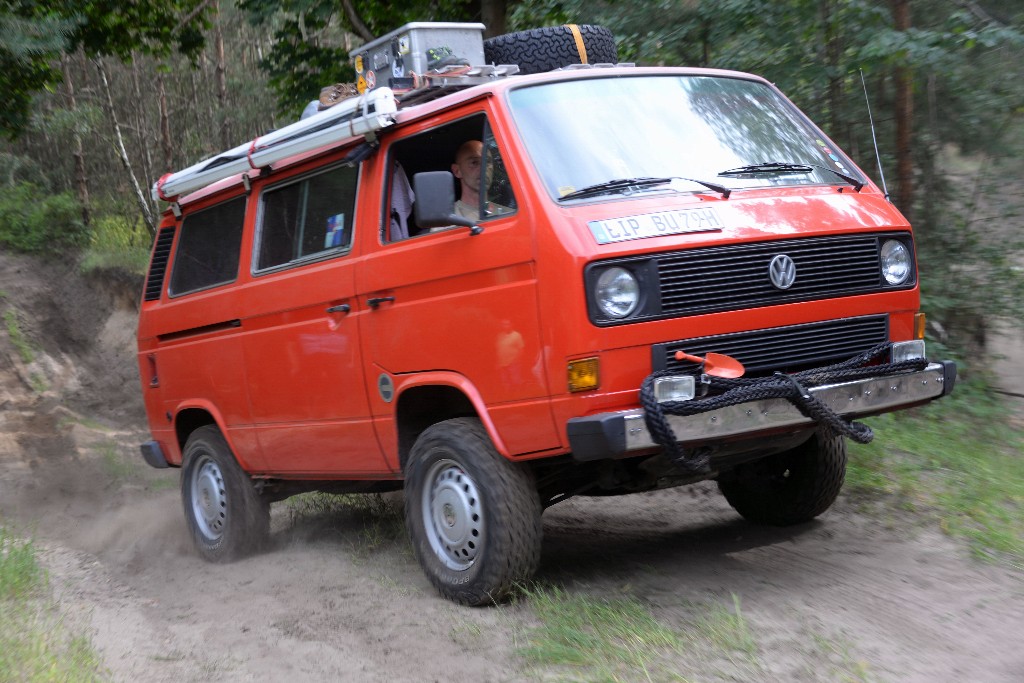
{"x": 544, "y": 49}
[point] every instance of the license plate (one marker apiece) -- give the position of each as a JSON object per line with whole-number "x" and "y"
{"x": 656, "y": 225}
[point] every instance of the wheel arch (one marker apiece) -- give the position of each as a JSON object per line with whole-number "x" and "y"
{"x": 191, "y": 416}
{"x": 430, "y": 398}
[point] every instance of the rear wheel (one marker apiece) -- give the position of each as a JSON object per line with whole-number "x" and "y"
{"x": 545, "y": 49}
{"x": 790, "y": 487}
{"x": 226, "y": 515}
{"x": 473, "y": 516}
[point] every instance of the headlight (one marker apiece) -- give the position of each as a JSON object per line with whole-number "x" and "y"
{"x": 895, "y": 262}
{"x": 617, "y": 292}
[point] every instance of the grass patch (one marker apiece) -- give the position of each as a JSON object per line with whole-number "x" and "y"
{"x": 843, "y": 665}
{"x": 726, "y": 630}
{"x": 582, "y": 638}
{"x": 34, "y": 643}
{"x": 615, "y": 639}
{"x": 956, "y": 460}
{"x": 17, "y": 337}
{"x": 20, "y": 574}
{"x": 68, "y": 421}
{"x": 114, "y": 463}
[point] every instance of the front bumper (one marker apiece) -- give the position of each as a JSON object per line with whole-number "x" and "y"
{"x": 624, "y": 433}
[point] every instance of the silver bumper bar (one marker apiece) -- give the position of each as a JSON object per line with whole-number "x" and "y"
{"x": 618, "y": 434}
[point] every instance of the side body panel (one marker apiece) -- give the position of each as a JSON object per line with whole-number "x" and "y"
{"x": 461, "y": 304}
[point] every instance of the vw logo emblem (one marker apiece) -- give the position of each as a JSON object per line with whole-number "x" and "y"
{"x": 782, "y": 272}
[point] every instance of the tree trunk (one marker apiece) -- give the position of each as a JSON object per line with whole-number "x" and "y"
{"x": 81, "y": 180}
{"x": 492, "y": 13}
{"x": 902, "y": 79}
{"x": 833, "y": 55}
{"x": 144, "y": 207}
{"x": 358, "y": 25}
{"x": 165, "y": 123}
{"x": 222, "y": 83}
{"x": 142, "y": 124}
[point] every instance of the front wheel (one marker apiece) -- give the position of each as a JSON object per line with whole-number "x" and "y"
{"x": 473, "y": 516}
{"x": 226, "y": 515}
{"x": 790, "y": 487}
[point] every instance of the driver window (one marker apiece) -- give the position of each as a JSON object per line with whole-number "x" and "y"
{"x": 469, "y": 151}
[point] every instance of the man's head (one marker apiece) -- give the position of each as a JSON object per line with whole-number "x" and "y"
{"x": 467, "y": 165}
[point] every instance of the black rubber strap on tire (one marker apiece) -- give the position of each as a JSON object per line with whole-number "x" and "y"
{"x": 793, "y": 388}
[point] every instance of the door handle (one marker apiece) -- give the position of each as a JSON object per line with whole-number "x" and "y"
{"x": 378, "y": 300}
{"x": 340, "y": 308}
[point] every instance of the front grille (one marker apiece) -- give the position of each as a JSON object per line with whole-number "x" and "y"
{"x": 158, "y": 265}
{"x": 786, "y": 349}
{"x": 736, "y": 277}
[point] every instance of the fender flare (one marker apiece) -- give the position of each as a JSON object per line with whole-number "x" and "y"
{"x": 453, "y": 379}
{"x": 218, "y": 419}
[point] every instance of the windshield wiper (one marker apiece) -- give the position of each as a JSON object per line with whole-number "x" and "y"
{"x": 626, "y": 185}
{"x": 781, "y": 168}
{"x": 768, "y": 167}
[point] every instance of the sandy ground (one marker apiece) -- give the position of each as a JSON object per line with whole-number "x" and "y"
{"x": 863, "y": 593}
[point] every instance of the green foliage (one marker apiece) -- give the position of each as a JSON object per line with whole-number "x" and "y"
{"x": 119, "y": 243}
{"x": 37, "y": 33}
{"x": 579, "y": 637}
{"x": 311, "y": 38}
{"x": 17, "y": 337}
{"x": 957, "y": 460}
{"x": 16, "y": 168}
{"x": 726, "y": 629}
{"x": 297, "y": 70}
{"x": 20, "y": 574}
{"x": 600, "y": 639}
{"x": 34, "y": 221}
{"x": 34, "y": 644}
{"x": 30, "y": 40}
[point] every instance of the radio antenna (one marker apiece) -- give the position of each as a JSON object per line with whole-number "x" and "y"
{"x": 871, "y": 119}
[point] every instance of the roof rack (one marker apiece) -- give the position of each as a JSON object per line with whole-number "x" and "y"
{"x": 358, "y": 116}
{"x": 351, "y": 118}
{"x": 420, "y": 88}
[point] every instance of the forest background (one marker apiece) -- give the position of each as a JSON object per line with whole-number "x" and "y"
{"x": 98, "y": 99}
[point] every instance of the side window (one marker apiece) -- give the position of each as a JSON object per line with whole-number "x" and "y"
{"x": 209, "y": 248}
{"x": 497, "y": 194}
{"x": 308, "y": 219}
{"x": 469, "y": 151}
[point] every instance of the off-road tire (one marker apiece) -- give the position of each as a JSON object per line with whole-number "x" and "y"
{"x": 791, "y": 487}
{"x": 226, "y": 515}
{"x": 545, "y": 49}
{"x": 474, "y": 517}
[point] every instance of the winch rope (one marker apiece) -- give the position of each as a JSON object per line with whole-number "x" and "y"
{"x": 791, "y": 387}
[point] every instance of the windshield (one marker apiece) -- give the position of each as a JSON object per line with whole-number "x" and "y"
{"x": 585, "y": 133}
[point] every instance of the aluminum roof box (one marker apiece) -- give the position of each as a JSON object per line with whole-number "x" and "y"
{"x": 416, "y": 48}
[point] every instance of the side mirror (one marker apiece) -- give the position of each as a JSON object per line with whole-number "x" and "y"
{"x": 435, "y": 201}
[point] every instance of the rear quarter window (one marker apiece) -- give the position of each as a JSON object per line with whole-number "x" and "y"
{"x": 209, "y": 248}
{"x": 307, "y": 220}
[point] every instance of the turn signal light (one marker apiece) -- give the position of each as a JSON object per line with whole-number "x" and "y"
{"x": 919, "y": 325}
{"x": 583, "y": 374}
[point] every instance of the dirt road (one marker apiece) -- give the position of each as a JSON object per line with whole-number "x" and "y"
{"x": 864, "y": 593}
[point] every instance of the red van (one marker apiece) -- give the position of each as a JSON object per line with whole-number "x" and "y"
{"x": 666, "y": 275}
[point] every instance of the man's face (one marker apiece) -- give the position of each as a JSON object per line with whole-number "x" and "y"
{"x": 467, "y": 165}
